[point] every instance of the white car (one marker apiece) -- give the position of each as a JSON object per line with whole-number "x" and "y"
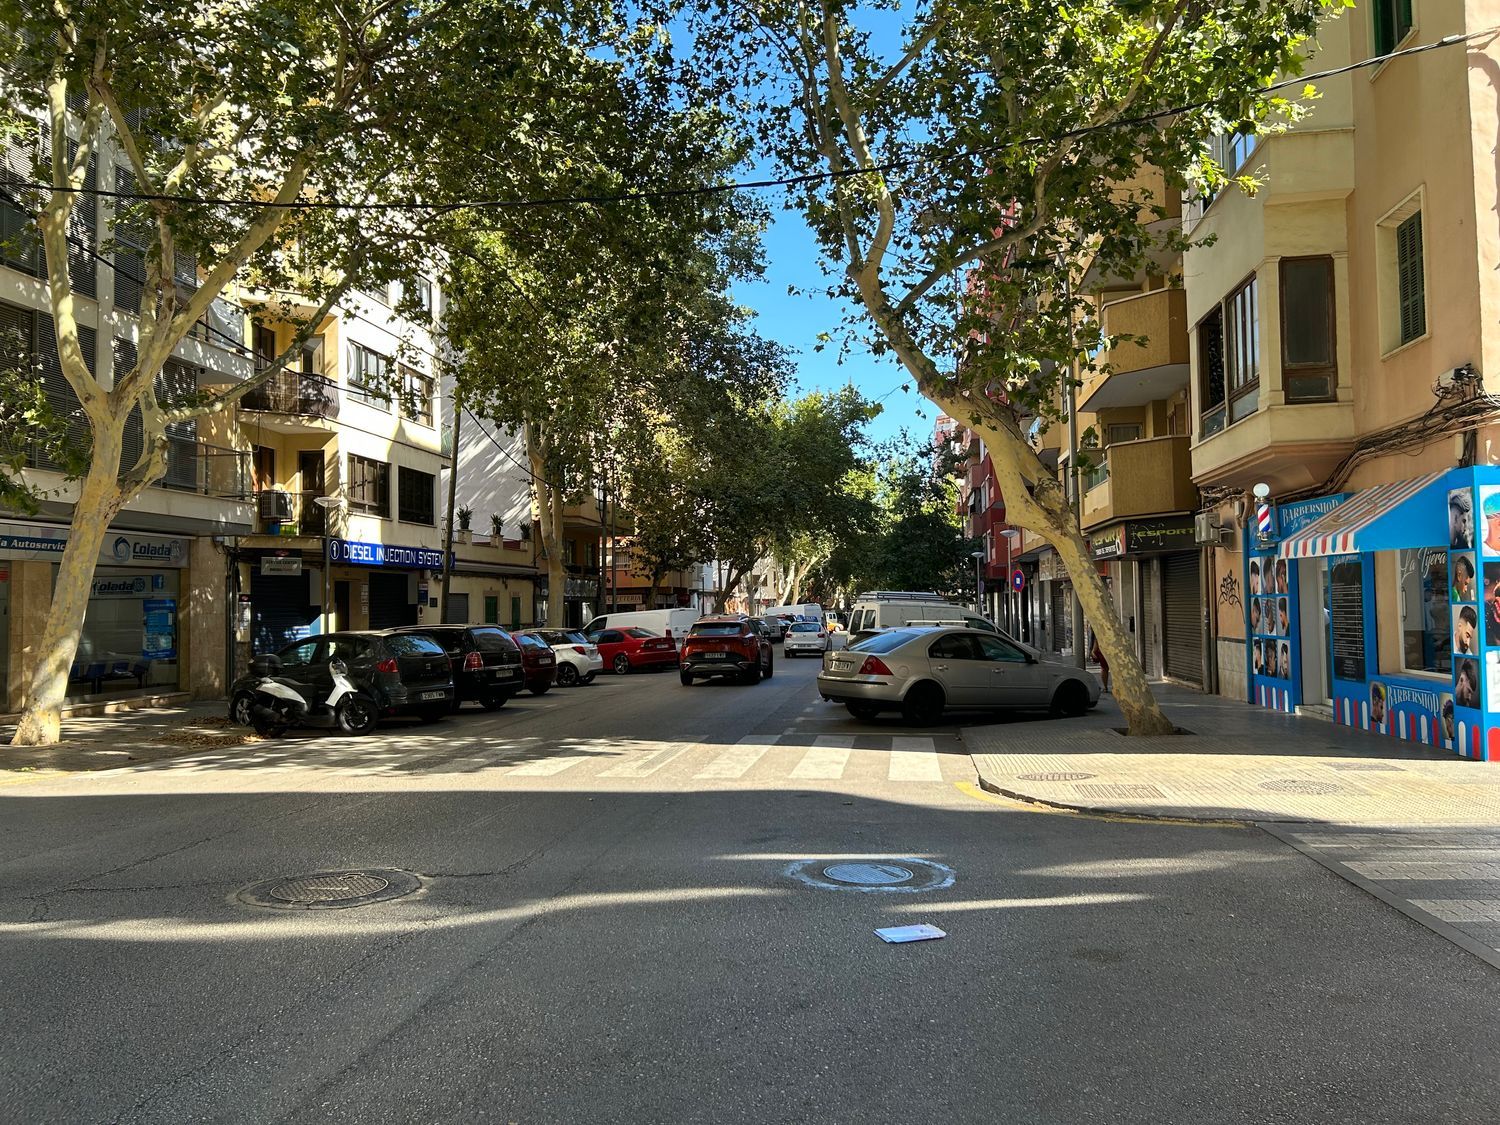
{"x": 578, "y": 662}
{"x": 805, "y": 636}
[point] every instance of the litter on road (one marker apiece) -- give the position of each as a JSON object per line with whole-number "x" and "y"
{"x": 895, "y": 935}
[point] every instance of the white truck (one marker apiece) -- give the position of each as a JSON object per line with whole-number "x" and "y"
{"x": 810, "y": 610}
{"x": 887, "y": 609}
{"x": 673, "y": 623}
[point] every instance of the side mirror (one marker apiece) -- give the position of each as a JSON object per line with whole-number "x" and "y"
{"x": 338, "y": 667}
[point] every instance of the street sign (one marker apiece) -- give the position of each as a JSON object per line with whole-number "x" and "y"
{"x": 1018, "y": 580}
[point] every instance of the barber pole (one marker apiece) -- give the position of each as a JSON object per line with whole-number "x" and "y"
{"x": 1263, "y": 520}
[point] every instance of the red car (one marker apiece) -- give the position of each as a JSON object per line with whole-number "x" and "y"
{"x": 729, "y": 645}
{"x": 626, "y": 649}
{"x": 538, "y": 662}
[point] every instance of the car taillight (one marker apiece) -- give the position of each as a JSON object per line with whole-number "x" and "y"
{"x": 874, "y": 666}
{"x": 473, "y": 662}
{"x": 580, "y": 650}
{"x": 822, "y": 635}
{"x": 388, "y": 665}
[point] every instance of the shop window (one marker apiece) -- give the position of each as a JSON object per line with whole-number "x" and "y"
{"x": 369, "y": 486}
{"x": 415, "y": 500}
{"x": 1392, "y": 23}
{"x": 1426, "y": 620}
{"x": 1308, "y": 354}
{"x": 130, "y": 633}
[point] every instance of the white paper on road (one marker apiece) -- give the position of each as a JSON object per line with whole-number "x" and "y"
{"x": 826, "y": 759}
{"x": 736, "y": 761}
{"x": 898, "y": 934}
{"x": 914, "y": 759}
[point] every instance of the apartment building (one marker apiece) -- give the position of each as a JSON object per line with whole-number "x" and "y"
{"x": 1342, "y": 347}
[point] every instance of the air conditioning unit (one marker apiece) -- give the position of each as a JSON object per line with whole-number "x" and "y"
{"x": 1207, "y": 531}
{"x": 275, "y": 505}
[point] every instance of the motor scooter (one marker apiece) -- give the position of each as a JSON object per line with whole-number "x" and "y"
{"x": 279, "y": 705}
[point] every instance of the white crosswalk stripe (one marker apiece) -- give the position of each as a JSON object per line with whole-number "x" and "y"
{"x": 914, "y": 759}
{"x": 736, "y": 761}
{"x": 646, "y": 765}
{"x": 548, "y": 767}
{"x": 826, "y": 759}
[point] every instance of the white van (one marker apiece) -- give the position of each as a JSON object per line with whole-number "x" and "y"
{"x": 888, "y": 609}
{"x": 672, "y": 623}
{"x": 811, "y": 610}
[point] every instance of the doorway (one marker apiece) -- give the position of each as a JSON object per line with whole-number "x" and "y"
{"x": 311, "y": 485}
{"x": 1314, "y": 622}
{"x": 341, "y": 605}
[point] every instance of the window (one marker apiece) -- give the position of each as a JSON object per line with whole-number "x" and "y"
{"x": 1229, "y": 359}
{"x": 414, "y": 500}
{"x": 423, "y": 295}
{"x": 1308, "y": 355}
{"x": 369, "y": 377}
{"x": 570, "y": 552}
{"x": 416, "y": 395}
{"x": 298, "y": 655}
{"x": 263, "y": 343}
{"x": 954, "y": 646}
{"x": 1392, "y": 22}
{"x": 1122, "y": 431}
{"x": 1411, "y": 291}
{"x": 994, "y": 648}
{"x": 369, "y": 486}
{"x": 1426, "y": 623}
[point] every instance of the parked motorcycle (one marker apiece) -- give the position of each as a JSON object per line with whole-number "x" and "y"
{"x": 279, "y": 704}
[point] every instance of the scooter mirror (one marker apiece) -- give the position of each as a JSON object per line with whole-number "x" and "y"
{"x": 338, "y": 667}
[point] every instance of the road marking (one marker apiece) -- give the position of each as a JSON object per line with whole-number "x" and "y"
{"x": 736, "y": 761}
{"x": 826, "y": 758}
{"x": 647, "y": 764}
{"x": 548, "y": 767}
{"x": 915, "y": 759}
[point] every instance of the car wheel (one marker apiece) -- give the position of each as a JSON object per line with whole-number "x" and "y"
{"x": 862, "y": 711}
{"x": 589, "y": 678}
{"x": 923, "y": 704}
{"x": 1071, "y": 699}
{"x": 239, "y": 710}
{"x": 753, "y": 675}
{"x": 432, "y": 714}
{"x": 567, "y": 675}
{"x": 621, "y": 664}
{"x": 770, "y": 665}
{"x": 494, "y": 702}
{"x": 540, "y": 689}
{"x": 687, "y": 681}
{"x": 356, "y": 714}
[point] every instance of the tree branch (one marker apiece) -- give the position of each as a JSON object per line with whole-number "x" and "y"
{"x": 929, "y": 33}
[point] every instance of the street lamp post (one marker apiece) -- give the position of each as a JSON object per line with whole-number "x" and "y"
{"x": 329, "y": 504}
{"x": 978, "y": 594}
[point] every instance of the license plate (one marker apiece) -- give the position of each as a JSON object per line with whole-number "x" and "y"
{"x": 715, "y": 656}
{"x": 434, "y": 695}
{"x": 545, "y": 660}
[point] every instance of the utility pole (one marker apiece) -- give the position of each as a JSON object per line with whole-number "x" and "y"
{"x": 458, "y": 409}
{"x": 1071, "y": 399}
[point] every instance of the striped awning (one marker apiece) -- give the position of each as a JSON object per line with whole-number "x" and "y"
{"x": 1408, "y": 513}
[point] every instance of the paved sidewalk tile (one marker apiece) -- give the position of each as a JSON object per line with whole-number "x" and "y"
{"x": 101, "y": 742}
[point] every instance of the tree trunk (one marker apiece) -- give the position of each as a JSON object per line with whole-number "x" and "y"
{"x": 100, "y": 496}
{"x": 550, "y": 510}
{"x": 731, "y": 579}
{"x": 648, "y": 600}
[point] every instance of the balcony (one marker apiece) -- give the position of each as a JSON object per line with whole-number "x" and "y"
{"x": 1150, "y": 477}
{"x": 290, "y": 514}
{"x": 293, "y": 402}
{"x": 1145, "y": 371}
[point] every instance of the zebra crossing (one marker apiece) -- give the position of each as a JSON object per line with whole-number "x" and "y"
{"x": 756, "y": 759}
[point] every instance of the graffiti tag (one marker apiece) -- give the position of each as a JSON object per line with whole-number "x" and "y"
{"x": 1229, "y": 590}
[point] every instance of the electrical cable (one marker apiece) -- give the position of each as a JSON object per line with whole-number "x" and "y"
{"x": 799, "y": 180}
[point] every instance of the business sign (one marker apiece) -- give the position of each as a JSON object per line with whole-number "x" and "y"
{"x": 356, "y": 553}
{"x": 39, "y": 542}
{"x": 1150, "y": 537}
{"x": 130, "y": 586}
{"x": 290, "y": 565}
{"x": 1109, "y": 544}
{"x": 160, "y": 624}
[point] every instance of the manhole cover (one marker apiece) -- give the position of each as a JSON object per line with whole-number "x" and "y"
{"x": 330, "y": 890}
{"x": 868, "y": 874}
{"x": 878, "y": 874}
{"x": 1308, "y": 788}
{"x": 1055, "y": 776}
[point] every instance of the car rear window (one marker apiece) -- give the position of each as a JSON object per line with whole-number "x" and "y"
{"x": 884, "y": 642}
{"x": 410, "y": 644}
{"x": 531, "y": 640}
{"x": 716, "y": 629}
{"x": 493, "y": 640}
{"x": 805, "y": 627}
{"x": 633, "y": 632}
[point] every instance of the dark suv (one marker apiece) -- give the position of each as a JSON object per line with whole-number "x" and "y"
{"x": 404, "y": 674}
{"x": 727, "y": 646}
{"x": 486, "y": 663}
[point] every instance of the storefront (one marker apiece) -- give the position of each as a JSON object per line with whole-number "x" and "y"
{"x": 1155, "y": 571}
{"x": 379, "y": 585}
{"x": 133, "y": 633}
{"x": 1382, "y": 609}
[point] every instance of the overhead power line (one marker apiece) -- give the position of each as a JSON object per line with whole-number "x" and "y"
{"x": 798, "y": 180}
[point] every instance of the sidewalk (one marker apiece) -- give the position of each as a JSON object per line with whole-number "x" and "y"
{"x": 1240, "y": 763}
{"x": 101, "y": 742}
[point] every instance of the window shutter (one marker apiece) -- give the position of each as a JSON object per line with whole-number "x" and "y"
{"x": 130, "y": 258}
{"x": 1412, "y": 299}
{"x": 82, "y": 225}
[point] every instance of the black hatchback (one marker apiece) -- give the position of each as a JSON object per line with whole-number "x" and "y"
{"x": 405, "y": 675}
{"x": 485, "y": 662}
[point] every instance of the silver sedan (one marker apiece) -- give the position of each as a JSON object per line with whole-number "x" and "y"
{"x": 924, "y": 671}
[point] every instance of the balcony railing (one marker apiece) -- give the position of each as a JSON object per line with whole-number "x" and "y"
{"x": 209, "y": 470}
{"x": 280, "y": 512}
{"x": 300, "y": 393}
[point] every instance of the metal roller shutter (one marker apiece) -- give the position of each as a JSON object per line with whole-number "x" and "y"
{"x": 390, "y": 603}
{"x": 281, "y": 612}
{"x": 1182, "y": 599}
{"x": 1150, "y": 615}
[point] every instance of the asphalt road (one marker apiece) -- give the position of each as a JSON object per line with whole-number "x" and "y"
{"x": 606, "y": 932}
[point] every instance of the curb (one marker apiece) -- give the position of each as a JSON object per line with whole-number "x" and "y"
{"x": 1123, "y": 814}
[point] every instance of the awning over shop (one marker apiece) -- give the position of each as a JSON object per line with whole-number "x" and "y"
{"x": 1408, "y": 513}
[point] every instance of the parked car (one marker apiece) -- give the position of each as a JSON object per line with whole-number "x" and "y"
{"x": 578, "y": 662}
{"x": 803, "y": 611}
{"x": 727, "y": 646}
{"x": 888, "y": 609}
{"x": 624, "y": 650}
{"x": 538, "y": 662}
{"x": 403, "y": 673}
{"x": 805, "y": 636}
{"x": 670, "y": 623}
{"x": 924, "y": 671}
{"x": 777, "y": 625}
{"x": 486, "y": 663}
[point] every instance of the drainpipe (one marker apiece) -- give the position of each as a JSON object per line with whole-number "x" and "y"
{"x": 458, "y": 410}
{"x": 1080, "y": 656}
